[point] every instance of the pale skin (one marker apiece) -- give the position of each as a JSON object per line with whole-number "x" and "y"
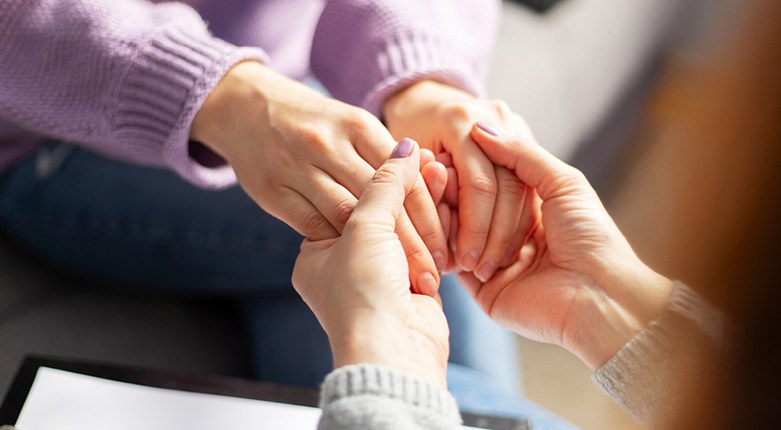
{"x": 576, "y": 282}
{"x": 306, "y": 158}
{"x": 493, "y": 218}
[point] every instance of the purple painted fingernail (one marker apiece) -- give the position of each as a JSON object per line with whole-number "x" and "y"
{"x": 487, "y": 128}
{"x": 403, "y": 149}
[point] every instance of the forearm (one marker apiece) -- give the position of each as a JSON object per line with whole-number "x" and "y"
{"x": 364, "y": 51}
{"x": 645, "y": 376}
{"x": 124, "y": 78}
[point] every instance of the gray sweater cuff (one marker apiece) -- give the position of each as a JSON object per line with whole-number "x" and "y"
{"x": 362, "y": 396}
{"x": 642, "y": 377}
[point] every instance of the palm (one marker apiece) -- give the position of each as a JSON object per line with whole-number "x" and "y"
{"x": 540, "y": 294}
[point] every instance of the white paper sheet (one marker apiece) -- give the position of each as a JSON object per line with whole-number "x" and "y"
{"x": 61, "y": 400}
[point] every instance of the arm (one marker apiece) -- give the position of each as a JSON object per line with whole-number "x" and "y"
{"x": 136, "y": 80}
{"x": 390, "y": 346}
{"x": 363, "y": 396}
{"x": 643, "y": 377}
{"x": 366, "y": 50}
{"x": 124, "y": 78}
{"x": 421, "y": 64}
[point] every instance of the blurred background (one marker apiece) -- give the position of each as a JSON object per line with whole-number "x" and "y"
{"x": 671, "y": 108}
{"x": 625, "y": 90}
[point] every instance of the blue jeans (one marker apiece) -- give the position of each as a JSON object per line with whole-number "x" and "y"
{"x": 147, "y": 230}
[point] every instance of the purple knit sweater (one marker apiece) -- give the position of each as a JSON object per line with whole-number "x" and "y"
{"x": 126, "y": 77}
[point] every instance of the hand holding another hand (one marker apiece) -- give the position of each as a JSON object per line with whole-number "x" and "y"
{"x": 358, "y": 284}
{"x": 492, "y": 212}
{"x": 576, "y": 282}
{"x": 306, "y": 158}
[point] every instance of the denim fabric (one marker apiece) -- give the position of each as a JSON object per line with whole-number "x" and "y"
{"x": 145, "y": 230}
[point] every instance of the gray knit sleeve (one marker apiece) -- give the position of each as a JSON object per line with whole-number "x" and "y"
{"x": 643, "y": 376}
{"x": 371, "y": 397}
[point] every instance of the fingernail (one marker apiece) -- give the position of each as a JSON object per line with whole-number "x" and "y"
{"x": 427, "y": 284}
{"x": 486, "y": 271}
{"x": 403, "y": 149}
{"x": 440, "y": 259}
{"x": 487, "y": 128}
{"x": 469, "y": 261}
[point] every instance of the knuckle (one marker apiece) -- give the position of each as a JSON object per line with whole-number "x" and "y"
{"x": 458, "y": 112}
{"x": 314, "y": 225}
{"x": 360, "y": 121}
{"x": 474, "y": 231}
{"x": 501, "y": 108}
{"x": 571, "y": 179}
{"x": 503, "y": 242}
{"x": 342, "y": 212}
{"x": 315, "y": 138}
{"x": 575, "y": 176}
{"x": 511, "y": 186}
{"x": 482, "y": 185}
{"x": 419, "y": 192}
{"x": 416, "y": 254}
{"x": 387, "y": 175}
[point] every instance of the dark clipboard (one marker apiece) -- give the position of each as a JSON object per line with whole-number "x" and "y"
{"x": 191, "y": 382}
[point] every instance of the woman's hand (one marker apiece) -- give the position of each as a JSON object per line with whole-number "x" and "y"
{"x": 358, "y": 286}
{"x": 576, "y": 282}
{"x": 306, "y": 158}
{"x": 489, "y": 225}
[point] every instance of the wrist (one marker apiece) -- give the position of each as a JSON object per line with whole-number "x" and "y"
{"x": 618, "y": 310}
{"x": 387, "y": 342}
{"x": 217, "y": 117}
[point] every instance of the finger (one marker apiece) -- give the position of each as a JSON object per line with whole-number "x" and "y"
{"x": 335, "y": 202}
{"x": 444, "y": 217}
{"x": 419, "y": 206}
{"x": 423, "y": 271}
{"x": 445, "y": 158}
{"x": 381, "y": 203}
{"x": 530, "y": 219}
{"x": 451, "y": 188}
{"x": 435, "y": 176}
{"x": 531, "y": 163}
{"x": 380, "y": 206}
{"x": 504, "y": 224}
{"x": 426, "y": 156}
{"x": 476, "y": 198}
{"x": 306, "y": 219}
{"x": 453, "y": 231}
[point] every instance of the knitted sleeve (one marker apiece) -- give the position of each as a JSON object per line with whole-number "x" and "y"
{"x": 642, "y": 377}
{"x": 368, "y": 397}
{"x": 123, "y": 77}
{"x": 365, "y": 50}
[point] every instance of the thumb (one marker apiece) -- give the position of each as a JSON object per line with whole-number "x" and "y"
{"x": 530, "y": 162}
{"x": 382, "y": 201}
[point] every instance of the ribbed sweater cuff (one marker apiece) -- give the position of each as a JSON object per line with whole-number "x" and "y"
{"x": 642, "y": 375}
{"x": 409, "y": 58}
{"x": 168, "y": 82}
{"x": 360, "y": 380}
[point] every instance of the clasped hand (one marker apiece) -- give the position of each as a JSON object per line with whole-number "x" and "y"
{"x": 574, "y": 282}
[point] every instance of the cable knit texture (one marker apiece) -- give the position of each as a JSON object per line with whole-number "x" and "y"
{"x": 368, "y": 396}
{"x": 126, "y": 77}
{"x": 642, "y": 377}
